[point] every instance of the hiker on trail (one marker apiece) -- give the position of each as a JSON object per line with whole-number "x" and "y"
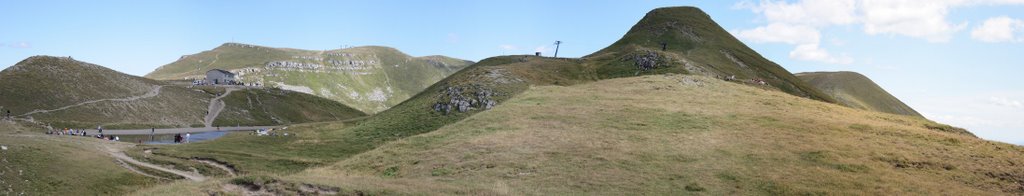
{"x": 177, "y": 138}
{"x": 187, "y": 135}
{"x": 100, "y": 128}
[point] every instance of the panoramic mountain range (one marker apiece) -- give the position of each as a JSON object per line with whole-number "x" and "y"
{"x": 66, "y": 93}
{"x": 676, "y": 106}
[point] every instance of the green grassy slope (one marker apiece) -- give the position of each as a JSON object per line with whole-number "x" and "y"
{"x": 37, "y": 164}
{"x": 369, "y": 78}
{"x": 677, "y": 135}
{"x": 668, "y": 134}
{"x": 375, "y": 154}
{"x": 276, "y": 107}
{"x": 695, "y": 45}
{"x": 858, "y": 91}
{"x": 47, "y": 83}
{"x": 324, "y": 143}
{"x": 100, "y": 96}
{"x": 492, "y": 80}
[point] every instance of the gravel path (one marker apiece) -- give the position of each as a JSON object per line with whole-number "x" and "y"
{"x": 216, "y": 106}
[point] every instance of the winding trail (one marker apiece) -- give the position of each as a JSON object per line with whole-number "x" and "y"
{"x": 231, "y": 171}
{"x": 150, "y": 94}
{"x": 119, "y": 155}
{"x": 216, "y": 105}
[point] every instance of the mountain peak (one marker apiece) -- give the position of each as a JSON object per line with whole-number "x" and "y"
{"x": 40, "y": 61}
{"x": 687, "y": 40}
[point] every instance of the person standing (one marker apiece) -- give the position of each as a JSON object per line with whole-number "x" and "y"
{"x": 152, "y": 133}
{"x": 187, "y": 135}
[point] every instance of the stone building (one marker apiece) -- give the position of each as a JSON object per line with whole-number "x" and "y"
{"x": 219, "y": 76}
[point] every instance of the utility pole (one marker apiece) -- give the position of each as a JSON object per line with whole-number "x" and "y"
{"x": 557, "y": 43}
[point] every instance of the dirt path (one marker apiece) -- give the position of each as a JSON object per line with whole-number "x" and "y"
{"x": 231, "y": 171}
{"x": 216, "y": 105}
{"x": 119, "y": 155}
{"x": 151, "y": 93}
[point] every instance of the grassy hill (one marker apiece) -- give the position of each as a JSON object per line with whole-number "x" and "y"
{"x": 68, "y": 93}
{"x": 858, "y": 91}
{"x": 659, "y": 134}
{"x": 621, "y": 121}
{"x": 369, "y": 78}
{"x": 484, "y": 85}
{"x": 694, "y": 44}
{"x": 277, "y": 107}
{"x": 37, "y": 164}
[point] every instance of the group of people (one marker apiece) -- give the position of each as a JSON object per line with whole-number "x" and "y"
{"x": 178, "y": 138}
{"x": 757, "y": 81}
{"x": 83, "y": 132}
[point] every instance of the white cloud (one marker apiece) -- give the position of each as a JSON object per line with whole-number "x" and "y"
{"x": 1006, "y": 102}
{"x": 20, "y": 45}
{"x": 1000, "y": 29}
{"x": 990, "y": 115}
{"x": 508, "y": 47}
{"x": 807, "y": 12}
{"x": 544, "y": 49}
{"x": 453, "y": 38}
{"x": 924, "y": 19}
{"x": 780, "y": 33}
{"x": 811, "y": 52}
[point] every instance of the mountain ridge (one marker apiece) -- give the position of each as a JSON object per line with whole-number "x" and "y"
{"x": 858, "y": 91}
{"x": 369, "y": 78}
{"x": 65, "y": 92}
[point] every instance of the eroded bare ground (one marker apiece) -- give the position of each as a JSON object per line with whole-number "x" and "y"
{"x": 261, "y": 185}
{"x": 117, "y": 152}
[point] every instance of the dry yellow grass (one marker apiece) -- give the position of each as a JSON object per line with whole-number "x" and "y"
{"x": 673, "y": 134}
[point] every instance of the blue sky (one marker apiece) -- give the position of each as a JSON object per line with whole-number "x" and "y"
{"x": 956, "y": 61}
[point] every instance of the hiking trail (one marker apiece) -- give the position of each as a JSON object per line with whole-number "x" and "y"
{"x": 120, "y": 156}
{"x": 152, "y": 93}
{"x": 216, "y": 105}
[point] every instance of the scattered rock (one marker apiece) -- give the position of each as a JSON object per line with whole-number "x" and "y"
{"x": 461, "y": 100}
{"x": 3, "y": 147}
{"x": 646, "y": 60}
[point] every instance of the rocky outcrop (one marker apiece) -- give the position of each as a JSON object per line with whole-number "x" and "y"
{"x": 464, "y": 99}
{"x": 646, "y": 60}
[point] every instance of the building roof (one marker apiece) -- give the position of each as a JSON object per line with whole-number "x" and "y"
{"x": 222, "y": 71}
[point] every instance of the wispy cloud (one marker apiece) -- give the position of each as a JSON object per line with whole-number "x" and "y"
{"x": 1000, "y": 29}
{"x": 543, "y": 49}
{"x": 1006, "y": 102}
{"x": 798, "y": 23}
{"x": 508, "y": 47}
{"x": 19, "y": 45}
{"x": 453, "y": 38}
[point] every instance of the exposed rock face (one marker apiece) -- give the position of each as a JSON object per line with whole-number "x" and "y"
{"x": 646, "y": 60}
{"x": 293, "y": 65}
{"x": 464, "y": 99}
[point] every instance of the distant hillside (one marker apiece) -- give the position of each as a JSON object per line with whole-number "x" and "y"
{"x": 69, "y": 93}
{"x": 276, "y": 107}
{"x": 858, "y": 91}
{"x": 369, "y": 78}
